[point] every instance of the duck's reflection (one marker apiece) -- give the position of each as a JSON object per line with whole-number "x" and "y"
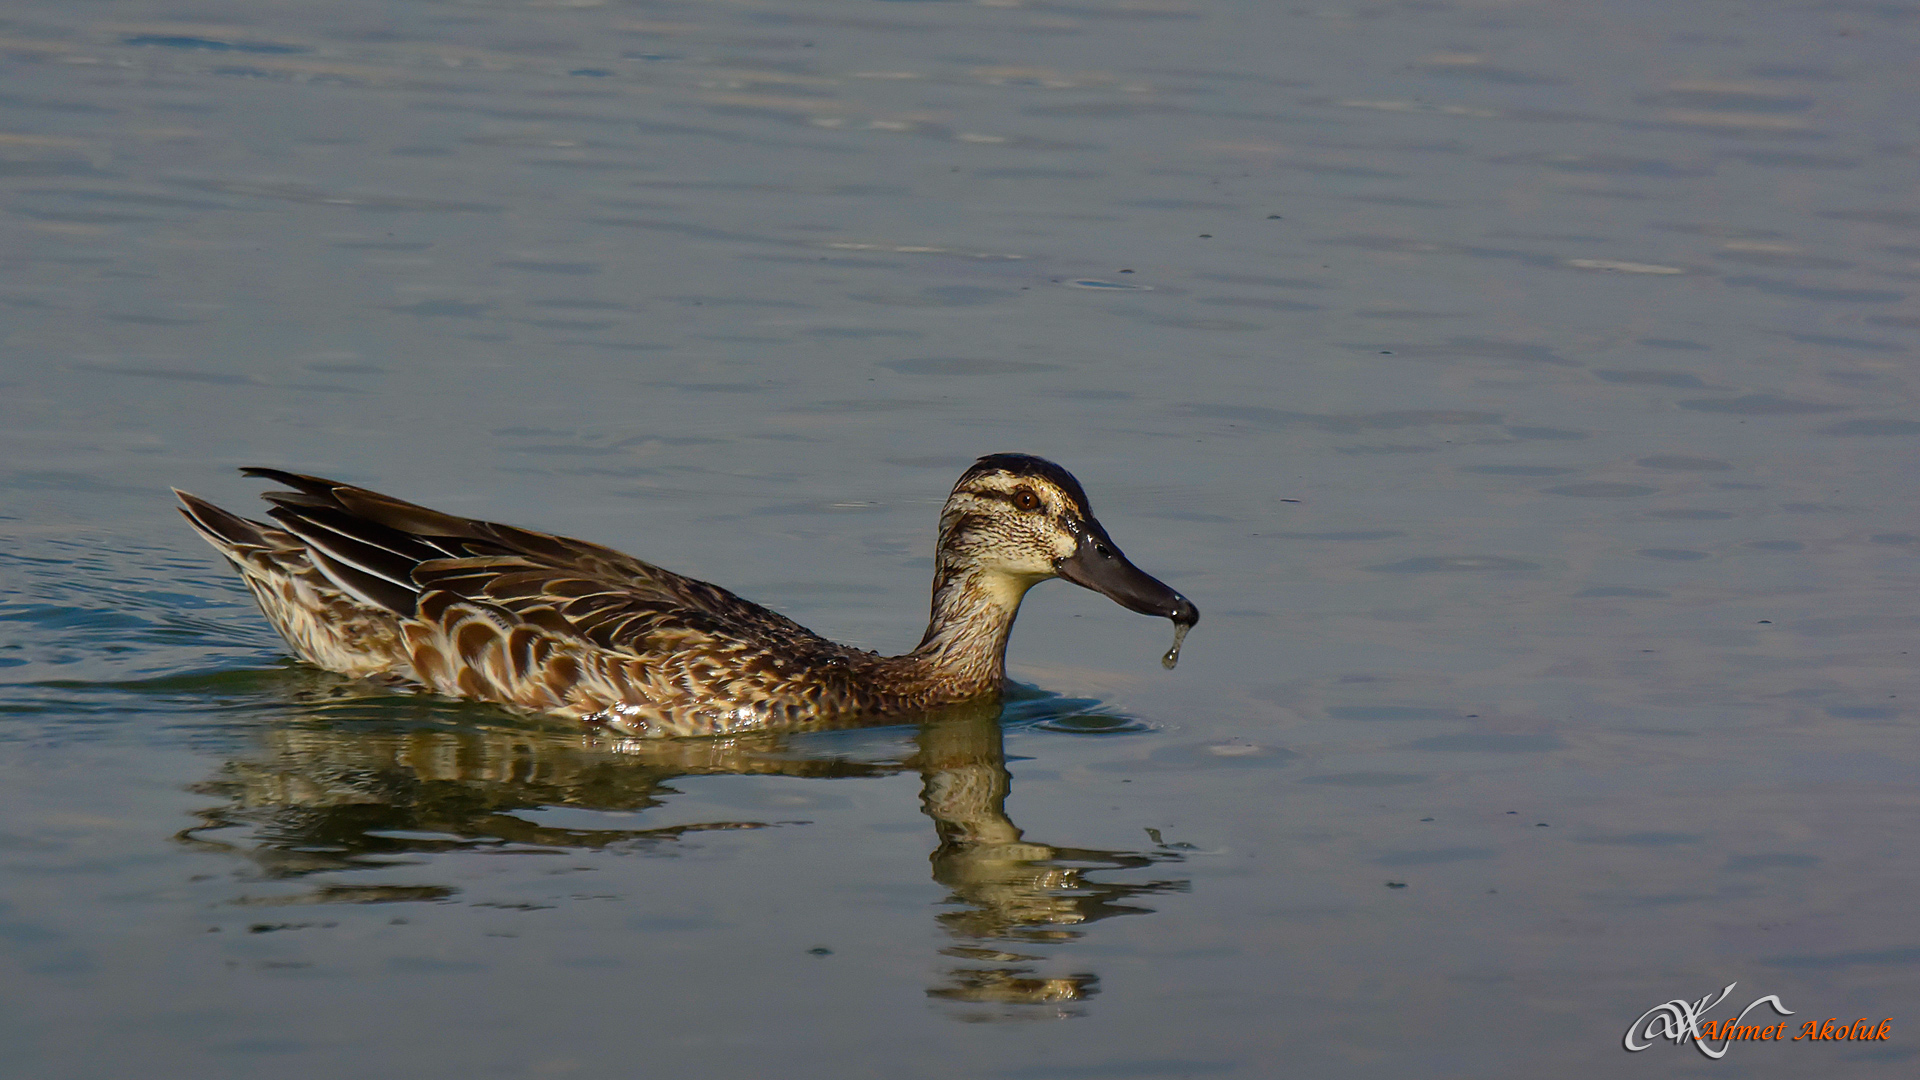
{"x": 1005, "y": 888}
{"x": 335, "y": 793}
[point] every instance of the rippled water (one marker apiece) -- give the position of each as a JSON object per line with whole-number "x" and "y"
{"x": 1522, "y": 390}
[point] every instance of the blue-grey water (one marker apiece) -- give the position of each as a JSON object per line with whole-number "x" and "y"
{"x": 1524, "y": 391}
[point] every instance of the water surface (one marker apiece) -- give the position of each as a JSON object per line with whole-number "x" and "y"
{"x": 1522, "y": 389}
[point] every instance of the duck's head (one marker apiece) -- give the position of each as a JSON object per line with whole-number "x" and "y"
{"x": 1016, "y": 520}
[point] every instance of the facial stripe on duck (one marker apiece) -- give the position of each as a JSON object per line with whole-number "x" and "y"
{"x": 369, "y": 585}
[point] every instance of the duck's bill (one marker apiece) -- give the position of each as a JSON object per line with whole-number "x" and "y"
{"x": 1100, "y": 565}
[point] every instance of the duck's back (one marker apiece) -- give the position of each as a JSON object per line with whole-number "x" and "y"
{"x": 371, "y": 586}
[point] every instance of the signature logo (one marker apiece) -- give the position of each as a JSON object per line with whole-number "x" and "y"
{"x": 1680, "y": 1019}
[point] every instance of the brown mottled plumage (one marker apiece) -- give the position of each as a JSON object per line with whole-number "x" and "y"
{"x": 370, "y": 586}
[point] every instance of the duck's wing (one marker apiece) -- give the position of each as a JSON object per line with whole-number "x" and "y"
{"x": 398, "y": 555}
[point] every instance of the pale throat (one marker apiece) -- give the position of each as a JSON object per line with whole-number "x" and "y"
{"x": 973, "y": 612}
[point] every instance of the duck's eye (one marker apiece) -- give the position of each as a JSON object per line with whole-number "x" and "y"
{"x": 1026, "y": 500}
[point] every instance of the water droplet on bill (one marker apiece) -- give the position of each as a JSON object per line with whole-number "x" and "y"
{"x": 1173, "y": 654}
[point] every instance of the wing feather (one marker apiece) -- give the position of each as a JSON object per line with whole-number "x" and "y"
{"x": 419, "y": 563}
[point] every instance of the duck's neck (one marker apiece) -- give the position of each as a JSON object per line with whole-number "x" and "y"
{"x": 965, "y": 650}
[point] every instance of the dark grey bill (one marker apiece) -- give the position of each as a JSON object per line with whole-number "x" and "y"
{"x": 1099, "y": 565}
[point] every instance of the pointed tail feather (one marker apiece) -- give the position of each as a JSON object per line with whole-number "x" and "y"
{"x": 222, "y": 529}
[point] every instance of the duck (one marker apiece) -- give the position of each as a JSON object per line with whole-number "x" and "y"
{"x": 373, "y": 587}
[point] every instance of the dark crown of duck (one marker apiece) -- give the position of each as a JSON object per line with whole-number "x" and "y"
{"x": 367, "y": 585}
